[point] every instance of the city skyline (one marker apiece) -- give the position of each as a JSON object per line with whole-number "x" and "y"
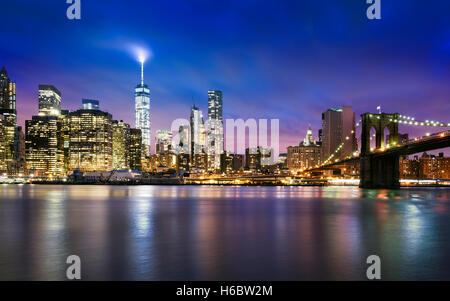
{"x": 294, "y": 81}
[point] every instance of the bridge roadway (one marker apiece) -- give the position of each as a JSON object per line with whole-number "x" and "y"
{"x": 414, "y": 146}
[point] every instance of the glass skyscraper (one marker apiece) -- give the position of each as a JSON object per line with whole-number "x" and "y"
{"x": 215, "y": 129}
{"x": 142, "y": 111}
{"x": 198, "y": 134}
{"x": 49, "y": 101}
{"x": 8, "y": 110}
{"x": 163, "y": 141}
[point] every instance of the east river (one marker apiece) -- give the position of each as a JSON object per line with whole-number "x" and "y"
{"x": 223, "y": 232}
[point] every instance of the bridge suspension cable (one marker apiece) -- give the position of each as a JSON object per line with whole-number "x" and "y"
{"x": 336, "y": 151}
{"x": 408, "y": 120}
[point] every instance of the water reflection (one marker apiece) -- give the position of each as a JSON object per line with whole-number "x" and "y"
{"x": 222, "y": 233}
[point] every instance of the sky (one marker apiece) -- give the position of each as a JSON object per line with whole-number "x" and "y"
{"x": 289, "y": 60}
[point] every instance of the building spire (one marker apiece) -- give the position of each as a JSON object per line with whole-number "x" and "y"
{"x": 142, "y": 73}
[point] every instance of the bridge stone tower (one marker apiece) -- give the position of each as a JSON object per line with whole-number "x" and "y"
{"x": 379, "y": 169}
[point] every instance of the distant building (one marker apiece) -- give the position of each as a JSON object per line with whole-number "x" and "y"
{"x": 90, "y": 104}
{"x": 199, "y": 163}
{"x": 9, "y": 113}
{"x": 258, "y": 157}
{"x": 163, "y": 141}
{"x": 282, "y": 160}
{"x": 49, "y": 101}
{"x": 337, "y": 125}
{"x": 64, "y": 135}
{"x": 184, "y": 145}
{"x": 215, "y": 143}
{"x": 306, "y": 155}
{"x": 198, "y": 133}
{"x": 90, "y": 140}
{"x": 120, "y": 145}
{"x": 135, "y": 149}
{"x": 183, "y": 163}
{"x": 44, "y": 146}
{"x": 163, "y": 162}
{"x": 426, "y": 167}
{"x": 434, "y": 167}
{"x": 231, "y": 163}
{"x": 253, "y": 158}
{"x": 3, "y": 145}
{"x": 19, "y": 150}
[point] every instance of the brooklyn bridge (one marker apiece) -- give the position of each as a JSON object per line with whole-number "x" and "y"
{"x": 379, "y": 165}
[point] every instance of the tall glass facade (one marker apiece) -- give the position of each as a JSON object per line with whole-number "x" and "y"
{"x": 49, "y": 101}
{"x": 142, "y": 111}
{"x": 215, "y": 128}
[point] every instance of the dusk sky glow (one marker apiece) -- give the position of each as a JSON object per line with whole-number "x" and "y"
{"x": 289, "y": 60}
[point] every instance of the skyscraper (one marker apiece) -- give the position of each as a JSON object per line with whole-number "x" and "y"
{"x": 120, "y": 144}
{"x": 337, "y": 125}
{"x": 90, "y": 104}
{"x": 44, "y": 142}
{"x": 3, "y": 166}
{"x": 8, "y": 110}
{"x": 215, "y": 129}
{"x": 184, "y": 144}
{"x": 7, "y": 92}
{"x": 142, "y": 112}
{"x": 44, "y": 146}
{"x": 198, "y": 133}
{"x": 163, "y": 141}
{"x": 135, "y": 149}
{"x": 90, "y": 140}
{"x": 49, "y": 101}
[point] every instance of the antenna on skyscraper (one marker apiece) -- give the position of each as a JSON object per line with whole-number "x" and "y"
{"x": 142, "y": 61}
{"x": 142, "y": 72}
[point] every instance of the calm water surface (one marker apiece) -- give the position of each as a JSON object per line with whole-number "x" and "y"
{"x": 223, "y": 233}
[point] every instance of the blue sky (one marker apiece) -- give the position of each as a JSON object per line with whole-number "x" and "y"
{"x": 289, "y": 60}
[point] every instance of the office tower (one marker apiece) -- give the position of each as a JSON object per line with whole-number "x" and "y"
{"x": 253, "y": 158}
{"x": 3, "y": 166}
{"x": 215, "y": 128}
{"x": 320, "y": 138}
{"x": 120, "y": 144}
{"x": 184, "y": 145}
{"x": 90, "y": 140}
{"x": 337, "y": 125}
{"x": 19, "y": 150}
{"x": 183, "y": 162}
{"x": 306, "y": 155}
{"x": 163, "y": 141}
{"x": 90, "y": 104}
{"x": 7, "y": 92}
{"x": 65, "y": 137}
{"x": 163, "y": 162}
{"x": 8, "y": 110}
{"x": 142, "y": 112}
{"x": 44, "y": 147}
{"x": 135, "y": 149}
{"x": 49, "y": 101}
{"x": 231, "y": 163}
{"x": 198, "y": 133}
